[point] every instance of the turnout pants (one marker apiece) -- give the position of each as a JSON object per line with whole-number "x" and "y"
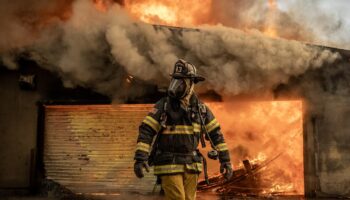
{"x": 182, "y": 186}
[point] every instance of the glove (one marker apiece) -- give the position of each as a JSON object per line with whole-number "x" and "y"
{"x": 138, "y": 168}
{"x": 226, "y": 170}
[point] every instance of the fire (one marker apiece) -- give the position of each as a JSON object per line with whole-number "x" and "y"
{"x": 272, "y": 4}
{"x": 261, "y": 131}
{"x": 169, "y": 12}
{"x": 261, "y": 157}
{"x": 102, "y": 5}
{"x": 129, "y": 79}
{"x": 270, "y": 31}
{"x": 270, "y": 28}
{"x": 187, "y": 13}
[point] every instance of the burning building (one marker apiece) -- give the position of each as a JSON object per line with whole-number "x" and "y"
{"x": 87, "y": 73}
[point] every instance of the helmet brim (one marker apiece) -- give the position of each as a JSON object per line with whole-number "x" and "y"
{"x": 196, "y": 79}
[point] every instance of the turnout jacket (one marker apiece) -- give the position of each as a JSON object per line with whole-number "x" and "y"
{"x": 179, "y": 136}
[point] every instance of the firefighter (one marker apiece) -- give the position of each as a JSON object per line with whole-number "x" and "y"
{"x": 178, "y": 121}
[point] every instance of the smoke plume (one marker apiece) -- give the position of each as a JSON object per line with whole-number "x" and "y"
{"x": 22, "y": 21}
{"x": 316, "y": 21}
{"x": 95, "y": 49}
{"x": 328, "y": 20}
{"x": 98, "y": 48}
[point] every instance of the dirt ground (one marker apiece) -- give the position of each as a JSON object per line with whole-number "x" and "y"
{"x": 200, "y": 196}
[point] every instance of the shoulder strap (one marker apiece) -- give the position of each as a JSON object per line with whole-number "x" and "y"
{"x": 163, "y": 116}
{"x": 202, "y": 108}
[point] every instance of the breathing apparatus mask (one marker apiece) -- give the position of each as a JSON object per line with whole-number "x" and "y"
{"x": 183, "y": 79}
{"x": 179, "y": 88}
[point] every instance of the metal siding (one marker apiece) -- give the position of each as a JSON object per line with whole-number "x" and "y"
{"x": 90, "y": 149}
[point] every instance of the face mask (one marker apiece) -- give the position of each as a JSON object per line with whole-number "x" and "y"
{"x": 177, "y": 88}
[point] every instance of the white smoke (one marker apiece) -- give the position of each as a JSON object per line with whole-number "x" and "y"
{"x": 329, "y": 20}
{"x": 235, "y": 62}
{"x": 321, "y": 22}
{"x": 93, "y": 49}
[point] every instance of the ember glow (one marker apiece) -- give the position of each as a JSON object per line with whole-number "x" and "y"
{"x": 260, "y": 131}
{"x": 103, "y": 5}
{"x": 187, "y": 13}
{"x": 169, "y": 12}
{"x": 100, "y": 5}
{"x": 270, "y": 28}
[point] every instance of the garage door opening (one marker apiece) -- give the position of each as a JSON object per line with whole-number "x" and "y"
{"x": 89, "y": 148}
{"x": 268, "y": 137}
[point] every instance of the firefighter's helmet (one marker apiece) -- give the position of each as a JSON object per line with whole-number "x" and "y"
{"x": 184, "y": 69}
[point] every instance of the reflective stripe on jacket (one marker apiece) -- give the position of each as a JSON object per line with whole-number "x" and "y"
{"x": 177, "y": 142}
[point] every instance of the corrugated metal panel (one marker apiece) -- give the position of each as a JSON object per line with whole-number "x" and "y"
{"x": 90, "y": 148}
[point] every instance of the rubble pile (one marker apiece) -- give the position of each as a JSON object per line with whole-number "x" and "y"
{"x": 249, "y": 180}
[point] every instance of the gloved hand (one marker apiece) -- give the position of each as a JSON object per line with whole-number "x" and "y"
{"x": 226, "y": 170}
{"x": 138, "y": 168}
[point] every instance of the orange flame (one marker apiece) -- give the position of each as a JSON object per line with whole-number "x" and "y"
{"x": 270, "y": 28}
{"x": 102, "y": 5}
{"x": 259, "y": 131}
{"x": 187, "y": 13}
{"x": 169, "y": 12}
{"x": 273, "y": 4}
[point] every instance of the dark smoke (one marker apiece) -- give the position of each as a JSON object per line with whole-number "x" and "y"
{"x": 21, "y": 21}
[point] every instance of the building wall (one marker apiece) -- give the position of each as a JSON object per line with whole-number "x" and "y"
{"x": 333, "y": 148}
{"x": 18, "y": 125}
{"x": 19, "y": 111}
{"x": 326, "y": 128}
{"x": 327, "y": 138}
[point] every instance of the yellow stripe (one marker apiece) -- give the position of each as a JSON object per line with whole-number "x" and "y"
{"x": 181, "y": 132}
{"x": 212, "y": 125}
{"x": 152, "y": 123}
{"x": 181, "y": 129}
{"x": 143, "y": 147}
{"x": 152, "y": 119}
{"x": 194, "y": 166}
{"x": 196, "y": 127}
{"x": 168, "y": 169}
{"x": 211, "y": 122}
{"x": 221, "y": 147}
{"x": 177, "y": 168}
